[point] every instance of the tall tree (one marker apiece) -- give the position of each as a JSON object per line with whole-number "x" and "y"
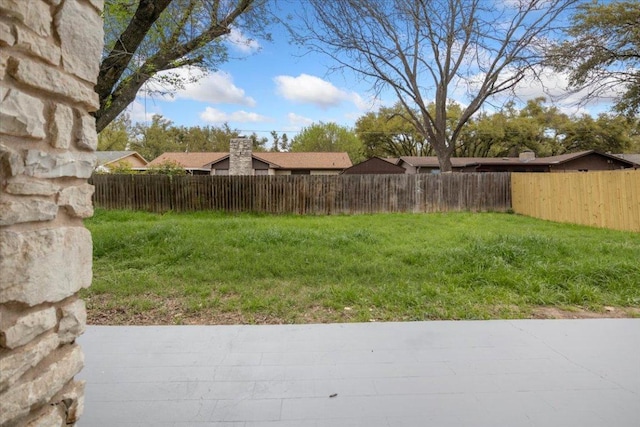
{"x": 208, "y": 138}
{"x": 161, "y": 135}
{"x": 388, "y": 133}
{"x": 284, "y": 143}
{"x": 275, "y": 146}
{"x": 543, "y": 129}
{"x": 155, "y": 138}
{"x": 603, "y": 53}
{"x": 424, "y": 51}
{"x": 258, "y": 143}
{"x": 328, "y": 137}
{"x": 144, "y": 38}
{"x": 117, "y": 135}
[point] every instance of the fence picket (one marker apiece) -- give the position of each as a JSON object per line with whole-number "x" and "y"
{"x": 343, "y": 194}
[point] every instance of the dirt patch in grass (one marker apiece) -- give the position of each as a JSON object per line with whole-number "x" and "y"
{"x": 581, "y": 313}
{"x": 102, "y": 310}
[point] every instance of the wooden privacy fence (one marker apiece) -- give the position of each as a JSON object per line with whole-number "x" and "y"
{"x": 608, "y": 199}
{"x": 319, "y": 194}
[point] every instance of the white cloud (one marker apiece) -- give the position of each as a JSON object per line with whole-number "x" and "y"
{"x": 550, "y": 85}
{"x": 200, "y": 85}
{"x": 216, "y": 88}
{"x": 307, "y": 89}
{"x": 241, "y": 42}
{"x": 139, "y": 112}
{"x": 212, "y": 115}
{"x": 298, "y": 121}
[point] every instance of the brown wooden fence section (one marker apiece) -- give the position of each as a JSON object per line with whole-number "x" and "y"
{"x": 342, "y": 194}
{"x": 608, "y": 199}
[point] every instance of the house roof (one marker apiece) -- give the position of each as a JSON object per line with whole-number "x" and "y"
{"x": 306, "y": 160}
{"x": 460, "y": 162}
{"x": 432, "y": 161}
{"x": 375, "y": 165}
{"x": 106, "y": 157}
{"x": 635, "y": 158}
{"x": 188, "y": 160}
{"x": 275, "y": 160}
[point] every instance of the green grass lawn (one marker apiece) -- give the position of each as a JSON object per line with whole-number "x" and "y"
{"x": 216, "y": 268}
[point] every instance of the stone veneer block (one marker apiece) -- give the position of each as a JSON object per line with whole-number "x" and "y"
{"x": 52, "y": 416}
{"x": 44, "y": 265}
{"x": 17, "y": 401}
{"x": 27, "y": 327}
{"x": 52, "y": 80}
{"x": 21, "y": 115}
{"x": 6, "y": 35}
{"x": 77, "y": 200}
{"x": 98, "y": 4}
{"x": 11, "y": 163}
{"x": 81, "y": 35}
{"x": 3, "y": 65}
{"x": 72, "y": 397}
{"x": 18, "y": 211}
{"x": 19, "y": 361}
{"x": 38, "y": 46}
{"x": 40, "y": 164}
{"x": 26, "y": 186}
{"x": 86, "y": 137}
{"x": 73, "y": 321}
{"x": 61, "y": 129}
{"x": 34, "y": 14}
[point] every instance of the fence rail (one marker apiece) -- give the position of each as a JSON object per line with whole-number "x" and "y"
{"x": 609, "y": 199}
{"x": 343, "y": 194}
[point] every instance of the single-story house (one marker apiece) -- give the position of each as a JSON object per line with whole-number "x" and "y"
{"x": 375, "y": 165}
{"x": 527, "y": 162}
{"x": 635, "y": 158}
{"x": 270, "y": 163}
{"x": 108, "y": 160}
{"x": 194, "y": 163}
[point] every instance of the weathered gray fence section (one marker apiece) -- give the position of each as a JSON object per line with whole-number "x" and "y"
{"x": 321, "y": 194}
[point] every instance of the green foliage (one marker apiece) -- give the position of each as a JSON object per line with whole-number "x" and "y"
{"x": 122, "y": 169}
{"x": 117, "y": 136}
{"x": 603, "y": 53}
{"x": 537, "y": 126}
{"x": 389, "y": 133}
{"x": 168, "y": 167}
{"x": 257, "y": 143}
{"x": 279, "y": 142}
{"x": 383, "y": 267}
{"x": 328, "y": 137}
{"x": 161, "y": 136}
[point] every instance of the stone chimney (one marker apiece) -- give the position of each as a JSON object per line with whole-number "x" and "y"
{"x": 240, "y": 162}
{"x": 527, "y": 156}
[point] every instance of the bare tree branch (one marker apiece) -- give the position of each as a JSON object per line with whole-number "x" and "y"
{"x": 424, "y": 50}
{"x": 183, "y": 31}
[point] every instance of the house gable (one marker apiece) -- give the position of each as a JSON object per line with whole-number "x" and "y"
{"x": 113, "y": 159}
{"x": 374, "y": 165}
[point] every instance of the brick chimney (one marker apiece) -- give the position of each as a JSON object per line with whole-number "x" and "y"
{"x": 240, "y": 162}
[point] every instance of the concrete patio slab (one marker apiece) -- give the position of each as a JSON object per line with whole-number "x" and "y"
{"x": 478, "y": 373}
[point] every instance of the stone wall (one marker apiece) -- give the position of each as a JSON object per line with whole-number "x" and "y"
{"x": 240, "y": 161}
{"x": 49, "y": 58}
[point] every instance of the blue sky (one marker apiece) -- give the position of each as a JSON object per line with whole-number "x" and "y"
{"x": 265, "y": 86}
{"x": 274, "y": 85}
